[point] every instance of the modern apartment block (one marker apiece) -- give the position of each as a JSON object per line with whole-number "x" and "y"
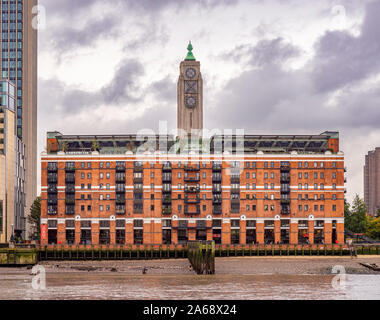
{"x": 12, "y": 171}
{"x": 19, "y": 65}
{"x": 243, "y": 189}
{"x": 372, "y": 181}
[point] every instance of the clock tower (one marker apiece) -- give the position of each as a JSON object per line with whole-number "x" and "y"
{"x": 190, "y": 96}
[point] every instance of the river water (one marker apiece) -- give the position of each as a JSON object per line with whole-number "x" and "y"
{"x": 100, "y": 286}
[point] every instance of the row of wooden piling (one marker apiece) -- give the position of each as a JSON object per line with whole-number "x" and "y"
{"x": 201, "y": 255}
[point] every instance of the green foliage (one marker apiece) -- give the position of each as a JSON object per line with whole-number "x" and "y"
{"x": 373, "y": 230}
{"x": 35, "y": 217}
{"x": 356, "y": 218}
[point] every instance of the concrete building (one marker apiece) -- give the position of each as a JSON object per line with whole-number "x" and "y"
{"x": 19, "y": 65}
{"x": 12, "y": 172}
{"x": 372, "y": 181}
{"x": 240, "y": 189}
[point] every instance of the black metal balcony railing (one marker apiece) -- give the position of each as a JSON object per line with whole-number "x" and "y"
{"x": 167, "y": 210}
{"x": 70, "y": 179}
{"x": 52, "y": 179}
{"x": 217, "y": 190}
{"x": 216, "y": 167}
{"x": 167, "y": 167}
{"x": 138, "y": 200}
{"x": 70, "y": 189}
{"x": 285, "y": 201}
{"x": 167, "y": 200}
{"x": 70, "y": 211}
{"x": 120, "y": 168}
{"x": 120, "y": 177}
{"x": 138, "y": 210}
{"x": 192, "y": 189}
{"x": 52, "y": 189}
{"x": 52, "y": 211}
{"x": 285, "y": 167}
{"x": 235, "y": 189}
{"x": 217, "y": 210}
{"x": 285, "y": 178}
{"x": 52, "y": 168}
{"x": 166, "y": 178}
{"x": 191, "y": 168}
{"x": 217, "y": 178}
{"x": 285, "y": 211}
{"x": 70, "y": 201}
{"x": 217, "y": 200}
{"x": 235, "y": 179}
{"x": 138, "y": 168}
{"x": 120, "y": 200}
{"x": 120, "y": 189}
{"x": 167, "y": 188}
{"x": 285, "y": 190}
{"x": 70, "y": 168}
{"x": 52, "y": 201}
{"x": 120, "y": 210}
{"x": 235, "y": 210}
{"x": 192, "y": 179}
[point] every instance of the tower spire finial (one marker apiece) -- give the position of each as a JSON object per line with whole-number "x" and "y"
{"x": 190, "y": 56}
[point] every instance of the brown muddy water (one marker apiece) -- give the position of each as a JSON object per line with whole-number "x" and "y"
{"x": 236, "y": 279}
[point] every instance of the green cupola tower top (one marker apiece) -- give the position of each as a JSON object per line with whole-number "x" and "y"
{"x": 190, "y": 56}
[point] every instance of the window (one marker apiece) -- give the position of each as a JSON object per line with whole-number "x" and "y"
{"x": 334, "y": 207}
{"x": 322, "y": 175}
{"x": 247, "y": 208}
{"x": 334, "y": 175}
{"x": 322, "y": 186}
{"x": 299, "y": 164}
{"x": 254, "y": 175}
{"x": 334, "y": 164}
{"x": 266, "y": 175}
{"x": 334, "y": 196}
{"x": 254, "y": 207}
{"x": 101, "y": 176}
{"x": 334, "y": 186}
{"x": 108, "y": 175}
{"x": 300, "y": 175}
{"x": 306, "y": 175}
{"x": 315, "y": 175}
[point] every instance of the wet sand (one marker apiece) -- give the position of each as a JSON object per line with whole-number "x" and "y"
{"x": 224, "y": 266}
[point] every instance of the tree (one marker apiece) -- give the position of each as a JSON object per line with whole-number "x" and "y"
{"x": 373, "y": 231}
{"x": 378, "y": 213}
{"x": 356, "y": 219}
{"x": 35, "y": 217}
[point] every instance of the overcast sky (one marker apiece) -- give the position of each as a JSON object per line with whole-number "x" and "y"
{"x": 269, "y": 67}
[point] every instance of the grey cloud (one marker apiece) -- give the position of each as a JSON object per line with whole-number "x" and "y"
{"x": 342, "y": 59}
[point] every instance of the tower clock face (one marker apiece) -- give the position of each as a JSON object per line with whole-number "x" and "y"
{"x": 190, "y": 73}
{"x": 191, "y": 102}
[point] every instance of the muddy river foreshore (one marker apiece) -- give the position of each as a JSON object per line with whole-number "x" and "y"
{"x": 231, "y": 265}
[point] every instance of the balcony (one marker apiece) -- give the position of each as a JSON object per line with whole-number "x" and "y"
{"x": 167, "y": 210}
{"x": 120, "y": 189}
{"x": 217, "y": 200}
{"x": 192, "y": 189}
{"x": 167, "y": 167}
{"x": 216, "y": 178}
{"x": 167, "y": 178}
{"x": 70, "y": 210}
{"x": 52, "y": 178}
{"x": 217, "y": 190}
{"x": 70, "y": 179}
{"x": 120, "y": 210}
{"x": 217, "y": 210}
{"x": 167, "y": 189}
{"x": 52, "y": 211}
{"x": 52, "y": 168}
{"x": 285, "y": 190}
{"x": 235, "y": 190}
{"x": 192, "y": 201}
{"x": 285, "y": 211}
{"x": 70, "y": 201}
{"x": 120, "y": 168}
{"x": 52, "y": 201}
{"x": 235, "y": 210}
{"x": 235, "y": 179}
{"x": 192, "y": 168}
{"x": 192, "y": 179}
{"x": 120, "y": 200}
{"x": 70, "y": 168}
{"x": 70, "y": 189}
{"x": 285, "y": 178}
{"x": 216, "y": 167}
{"x": 167, "y": 200}
{"x": 120, "y": 177}
{"x": 138, "y": 201}
{"x": 285, "y": 167}
{"x": 285, "y": 201}
{"x": 52, "y": 189}
{"x": 138, "y": 168}
{"x": 138, "y": 179}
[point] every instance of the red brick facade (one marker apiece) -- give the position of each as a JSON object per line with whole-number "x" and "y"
{"x": 286, "y": 198}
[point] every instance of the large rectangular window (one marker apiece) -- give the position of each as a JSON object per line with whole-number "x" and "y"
{"x": 138, "y": 232}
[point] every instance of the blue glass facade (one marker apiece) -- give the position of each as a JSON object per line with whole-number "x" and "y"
{"x": 12, "y": 50}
